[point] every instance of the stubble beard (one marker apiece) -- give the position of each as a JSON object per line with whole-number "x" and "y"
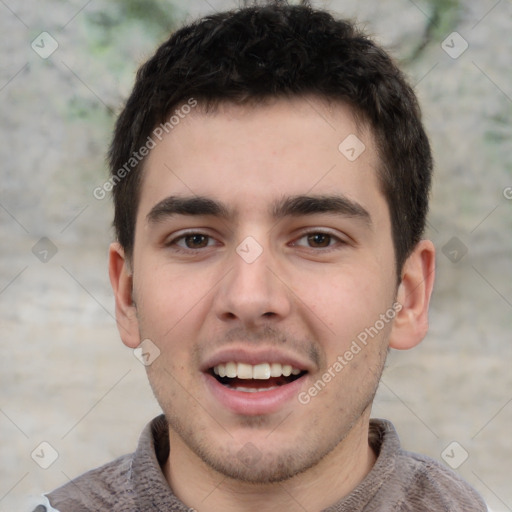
{"x": 255, "y": 465}
{"x": 310, "y": 447}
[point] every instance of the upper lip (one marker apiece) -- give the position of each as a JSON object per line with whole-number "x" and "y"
{"x": 253, "y": 357}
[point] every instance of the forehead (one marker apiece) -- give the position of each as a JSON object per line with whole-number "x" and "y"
{"x": 248, "y": 156}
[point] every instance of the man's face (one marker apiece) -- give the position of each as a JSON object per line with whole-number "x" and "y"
{"x": 276, "y": 251}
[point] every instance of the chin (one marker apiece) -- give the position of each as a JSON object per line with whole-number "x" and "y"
{"x": 266, "y": 470}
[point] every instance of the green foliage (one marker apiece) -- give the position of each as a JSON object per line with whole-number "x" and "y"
{"x": 118, "y": 35}
{"x": 115, "y": 38}
{"x": 156, "y": 17}
{"x": 122, "y": 22}
{"x": 445, "y": 14}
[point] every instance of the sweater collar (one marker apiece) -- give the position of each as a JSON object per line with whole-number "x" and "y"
{"x": 154, "y": 494}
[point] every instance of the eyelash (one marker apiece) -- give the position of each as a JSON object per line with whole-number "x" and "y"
{"x": 336, "y": 241}
{"x": 173, "y": 243}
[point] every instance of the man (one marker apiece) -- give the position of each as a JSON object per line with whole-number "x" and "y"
{"x": 270, "y": 176}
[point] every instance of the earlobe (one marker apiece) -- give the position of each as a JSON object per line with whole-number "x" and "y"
{"x": 411, "y": 322}
{"x": 121, "y": 279}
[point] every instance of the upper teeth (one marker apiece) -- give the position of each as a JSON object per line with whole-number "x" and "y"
{"x": 257, "y": 371}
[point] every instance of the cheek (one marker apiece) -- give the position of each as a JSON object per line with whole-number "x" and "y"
{"x": 173, "y": 306}
{"x": 167, "y": 295}
{"x": 345, "y": 301}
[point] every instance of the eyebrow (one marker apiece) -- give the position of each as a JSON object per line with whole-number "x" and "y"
{"x": 293, "y": 206}
{"x": 297, "y": 206}
{"x": 179, "y": 205}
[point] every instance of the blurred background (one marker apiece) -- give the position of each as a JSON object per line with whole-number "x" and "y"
{"x": 65, "y": 377}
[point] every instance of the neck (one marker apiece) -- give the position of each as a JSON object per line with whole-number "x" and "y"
{"x": 334, "y": 477}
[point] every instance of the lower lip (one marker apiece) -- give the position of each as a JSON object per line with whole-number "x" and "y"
{"x": 256, "y": 403}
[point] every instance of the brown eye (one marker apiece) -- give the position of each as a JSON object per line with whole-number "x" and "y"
{"x": 196, "y": 241}
{"x": 319, "y": 240}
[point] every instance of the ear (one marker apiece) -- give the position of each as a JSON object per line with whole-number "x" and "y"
{"x": 411, "y": 322}
{"x": 121, "y": 279}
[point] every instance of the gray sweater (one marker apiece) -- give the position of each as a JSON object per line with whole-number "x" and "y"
{"x": 399, "y": 481}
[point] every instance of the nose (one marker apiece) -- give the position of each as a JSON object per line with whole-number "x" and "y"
{"x": 253, "y": 292}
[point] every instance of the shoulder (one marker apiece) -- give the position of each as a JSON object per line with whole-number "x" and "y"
{"x": 103, "y": 488}
{"x": 408, "y": 481}
{"x": 118, "y": 485}
{"x": 433, "y": 486}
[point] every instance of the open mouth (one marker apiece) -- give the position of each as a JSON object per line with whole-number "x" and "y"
{"x": 255, "y": 378}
